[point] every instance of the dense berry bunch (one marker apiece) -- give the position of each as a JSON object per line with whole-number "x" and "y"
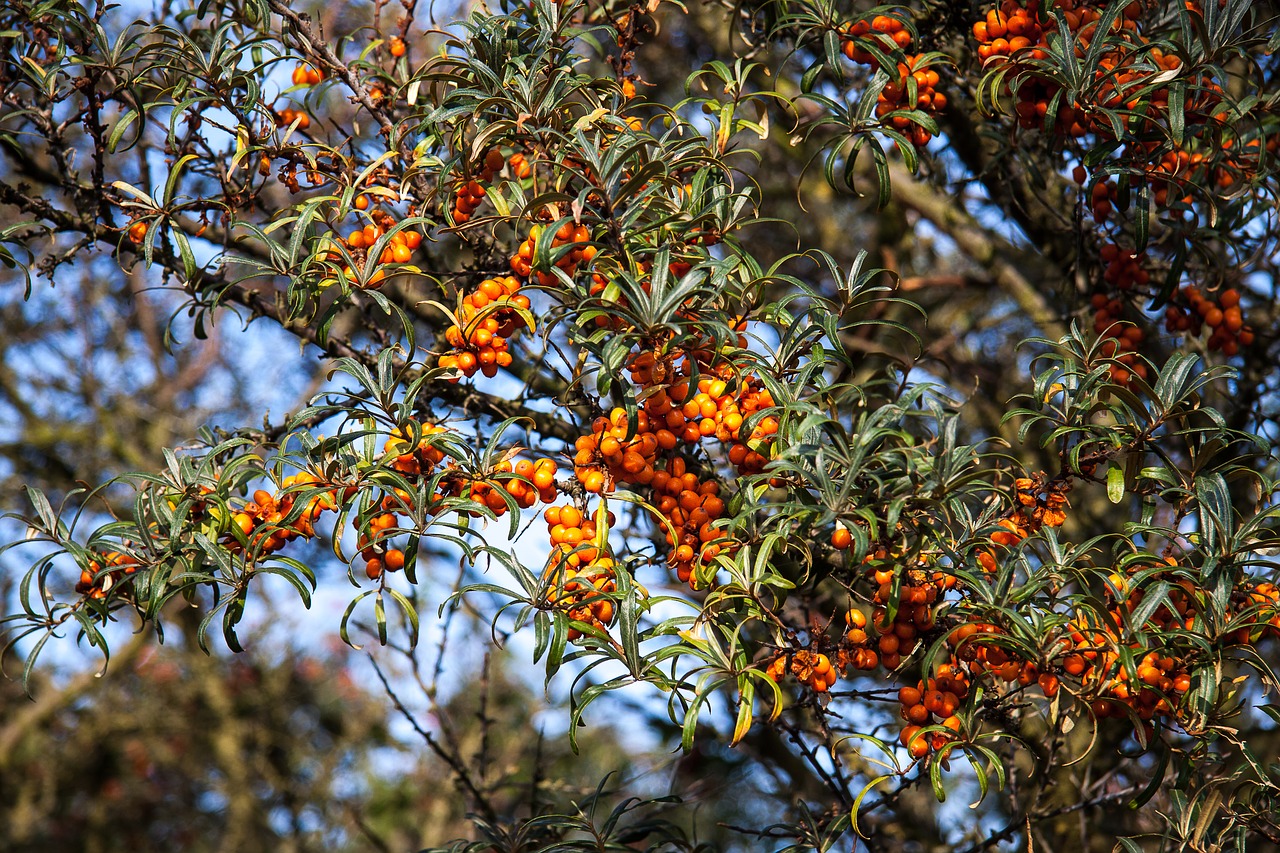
{"x": 470, "y": 194}
{"x": 583, "y": 591}
{"x": 913, "y": 74}
{"x": 810, "y": 668}
{"x": 889, "y": 32}
{"x": 356, "y": 251}
{"x": 855, "y": 647}
{"x": 488, "y": 317}
{"x": 912, "y": 81}
{"x": 611, "y": 454}
{"x": 576, "y": 237}
{"x": 1222, "y": 315}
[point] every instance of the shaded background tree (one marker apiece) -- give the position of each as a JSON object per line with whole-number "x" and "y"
{"x": 1033, "y": 184}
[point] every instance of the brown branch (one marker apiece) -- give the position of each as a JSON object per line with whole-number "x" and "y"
{"x": 1007, "y": 263}
{"x": 460, "y": 772}
{"x": 261, "y": 304}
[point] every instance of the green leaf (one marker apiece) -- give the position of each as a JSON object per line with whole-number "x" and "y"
{"x": 1115, "y": 484}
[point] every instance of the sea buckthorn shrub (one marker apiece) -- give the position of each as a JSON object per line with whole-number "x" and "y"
{"x": 550, "y": 280}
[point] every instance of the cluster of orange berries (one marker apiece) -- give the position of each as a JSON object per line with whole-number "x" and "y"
{"x": 525, "y": 481}
{"x": 466, "y": 199}
{"x": 261, "y": 523}
{"x": 490, "y": 490}
{"x": 1244, "y": 163}
{"x": 1222, "y": 315}
{"x": 1125, "y": 87}
{"x": 745, "y": 453}
{"x": 532, "y": 481}
{"x": 897, "y": 636}
{"x": 1087, "y": 653}
{"x": 1124, "y": 272}
{"x": 1102, "y": 196}
{"x": 1124, "y": 269}
{"x": 260, "y": 519}
{"x": 896, "y": 95}
{"x": 1122, "y": 338}
{"x": 96, "y": 583}
{"x": 573, "y": 534}
{"x": 912, "y": 70}
{"x": 288, "y": 115}
{"x": 268, "y": 522}
{"x": 1016, "y": 33}
{"x": 932, "y": 702}
{"x": 305, "y": 75}
{"x": 576, "y": 236}
{"x": 611, "y": 454}
{"x": 415, "y": 460}
{"x": 883, "y": 26}
{"x": 1038, "y": 506}
{"x": 935, "y": 701}
{"x": 688, "y": 508}
{"x": 1009, "y": 30}
{"x": 520, "y": 165}
{"x": 918, "y": 591}
{"x": 1128, "y": 76}
{"x": 488, "y": 317}
{"x": 373, "y": 536}
{"x": 676, "y": 410}
{"x": 1092, "y": 656}
{"x": 470, "y": 194}
{"x": 1189, "y": 313}
{"x": 855, "y": 647}
{"x": 541, "y": 481}
{"x": 1175, "y": 168}
{"x": 1162, "y": 678}
{"x": 399, "y": 249}
{"x": 971, "y": 652}
{"x": 1266, "y": 597}
{"x": 580, "y": 570}
{"x": 810, "y": 668}
{"x": 713, "y": 411}
{"x": 1013, "y": 32}
{"x": 582, "y": 589}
